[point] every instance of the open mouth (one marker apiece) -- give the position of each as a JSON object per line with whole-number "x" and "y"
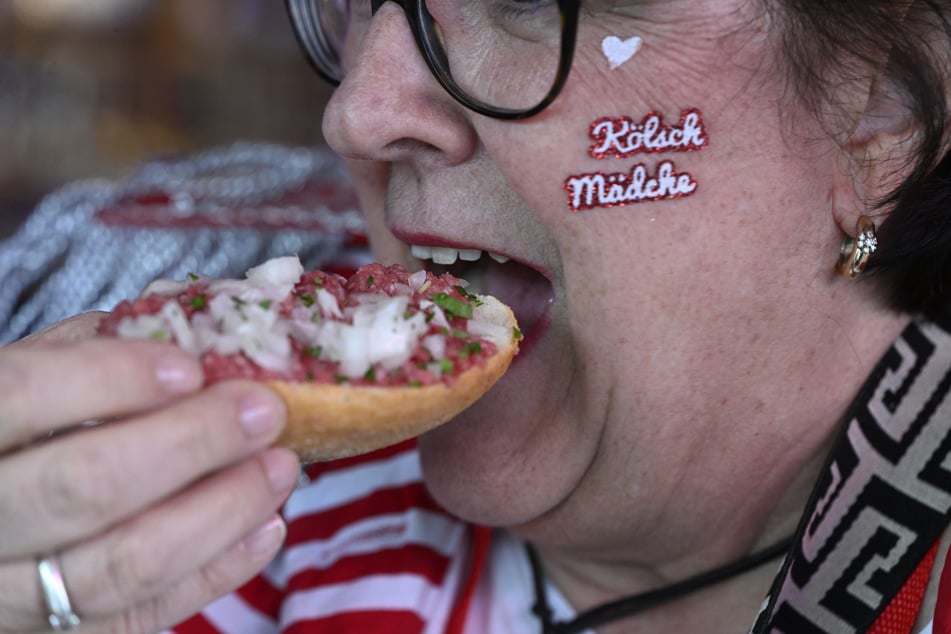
{"x": 523, "y": 288}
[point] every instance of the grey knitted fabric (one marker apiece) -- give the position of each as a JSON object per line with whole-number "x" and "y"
{"x": 93, "y": 243}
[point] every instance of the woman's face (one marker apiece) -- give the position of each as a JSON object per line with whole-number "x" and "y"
{"x": 670, "y": 344}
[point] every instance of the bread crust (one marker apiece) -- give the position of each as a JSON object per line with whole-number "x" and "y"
{"x": 330, "y": 421}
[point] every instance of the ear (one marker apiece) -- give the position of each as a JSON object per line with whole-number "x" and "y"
{"x": 877, "y": 156}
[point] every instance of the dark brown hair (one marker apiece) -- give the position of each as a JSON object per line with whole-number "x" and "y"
{"x": 909, "y": 43}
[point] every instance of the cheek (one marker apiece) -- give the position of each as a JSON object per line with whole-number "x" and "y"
{"x": 538, "y": 156}
{"x": 761, "y": 191}
{"x": 744, "y": 147}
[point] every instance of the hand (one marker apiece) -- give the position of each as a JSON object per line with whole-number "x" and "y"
{"x": 153, "y": 514}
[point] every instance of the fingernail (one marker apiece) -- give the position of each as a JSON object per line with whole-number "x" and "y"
{"x": 282, "y": 469}
{"x": 266, "y": 538}
{"x": 259, "y": 414}
{"x": 178, "y": 374}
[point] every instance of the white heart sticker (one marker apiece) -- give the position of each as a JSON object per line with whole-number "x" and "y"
{"x": 619, "y": 51}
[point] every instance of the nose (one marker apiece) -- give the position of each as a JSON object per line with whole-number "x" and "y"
{"x": 390, "y": 108}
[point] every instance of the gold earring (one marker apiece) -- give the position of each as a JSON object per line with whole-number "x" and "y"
{"x": 855, "y": 252}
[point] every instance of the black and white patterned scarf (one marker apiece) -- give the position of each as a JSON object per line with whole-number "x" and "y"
{"x": 883, "y": 500}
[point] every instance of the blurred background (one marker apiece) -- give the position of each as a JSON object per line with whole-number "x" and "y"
{"x": 91, "y": 88}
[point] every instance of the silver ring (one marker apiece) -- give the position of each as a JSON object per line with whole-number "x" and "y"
{"x": 61, "y": 615}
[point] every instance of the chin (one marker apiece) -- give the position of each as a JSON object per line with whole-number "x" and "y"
{"x": 519, "y": 452}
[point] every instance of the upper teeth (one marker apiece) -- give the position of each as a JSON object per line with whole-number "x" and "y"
{"x": 447, "y": 255}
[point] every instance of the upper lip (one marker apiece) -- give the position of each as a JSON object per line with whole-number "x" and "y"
{"x": 422, "y": 238}
{"x": 430, "y": 240}
{"x": 460, "y": 222}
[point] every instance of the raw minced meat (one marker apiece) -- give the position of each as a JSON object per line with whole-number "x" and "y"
{"x": 381, "y": 326}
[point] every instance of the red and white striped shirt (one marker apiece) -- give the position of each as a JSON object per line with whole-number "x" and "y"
{"x": 369, "y": 551}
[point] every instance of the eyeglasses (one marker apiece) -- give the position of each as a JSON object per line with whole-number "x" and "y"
{"x": 506, "y": 59}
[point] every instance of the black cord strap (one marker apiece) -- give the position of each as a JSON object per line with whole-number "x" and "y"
{"x": 627, "y": 606}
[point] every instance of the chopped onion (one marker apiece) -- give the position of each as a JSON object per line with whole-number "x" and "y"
{"x": 329, "y": 306}
{"x": 278, "y": 273}
{"x": 436, "y": 344}
{"x": 256, "y": 330}
{"x": 491, "y": 331}
{"x": 380, "y": 333}
{"x": 166, "y": 288}
{"x": 303, "y": 325}
{"x": 417, "y": 279}
{"x": 181, "y": 329}
{"x": 143, "y": 327}
{"x": 439, "y": 317}
{"x": 273, "y": 280}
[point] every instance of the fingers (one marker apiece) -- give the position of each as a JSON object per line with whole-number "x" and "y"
{"x": 75, "y": 328}
{"x": 62, "y": 491}
{"x": 151, "y": 510}
{"x": 144, "y": 558}
{"x": 168, "y": 562}
{"x": 227, "y": 573}
{"x": 45, "y": 387}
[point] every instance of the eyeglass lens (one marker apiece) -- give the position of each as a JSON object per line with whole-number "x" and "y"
{"x": 504, "y": 53}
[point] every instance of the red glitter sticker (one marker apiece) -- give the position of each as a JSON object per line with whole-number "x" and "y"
{"x": 586, "y": 191}
{"x": 622, "y": 137}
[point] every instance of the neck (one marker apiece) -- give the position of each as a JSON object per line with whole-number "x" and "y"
{"x": 725, "y": 599}
{"x": 727, "y": 501}
{"x": 630, "y": 606}
{"x": 590, "y": 580}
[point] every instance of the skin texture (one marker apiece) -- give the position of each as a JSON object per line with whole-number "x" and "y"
{"x": 671, "y": 416}
{"x": 134, "y": 504}
{"x": 674, "y": 414}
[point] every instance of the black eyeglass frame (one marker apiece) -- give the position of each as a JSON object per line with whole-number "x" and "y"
{"x": 422, "y": 26}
